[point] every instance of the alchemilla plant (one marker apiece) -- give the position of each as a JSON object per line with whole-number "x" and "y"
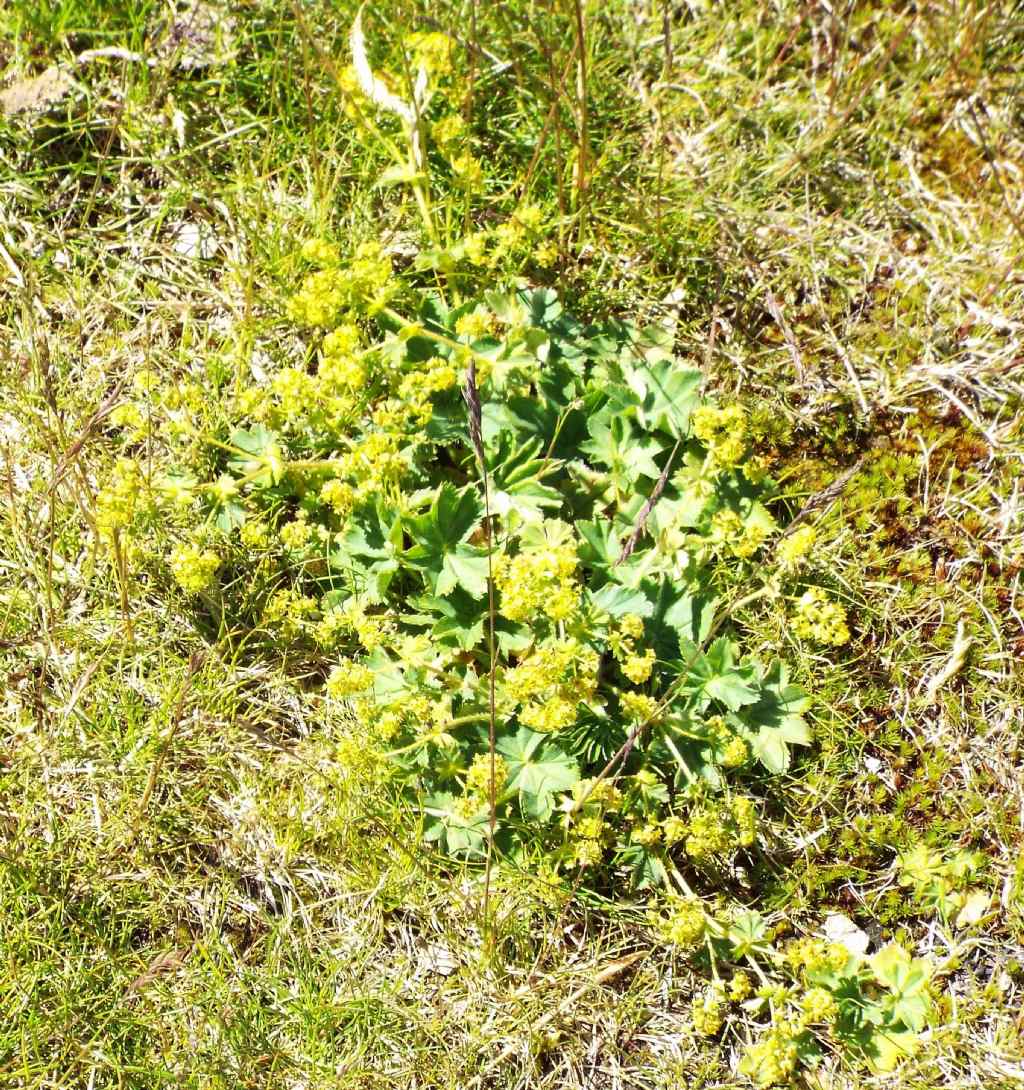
{"x": 500, "y": 559}
{"x": 511, "y": 544}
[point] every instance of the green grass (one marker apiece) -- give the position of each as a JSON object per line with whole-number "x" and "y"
{"x": 205, "y": 881}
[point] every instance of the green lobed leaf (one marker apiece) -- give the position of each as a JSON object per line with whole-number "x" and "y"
{"x": 537, "y": 769}
{"x": 670, "y": 395}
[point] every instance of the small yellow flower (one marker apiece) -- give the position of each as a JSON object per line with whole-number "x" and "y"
{"x": 646, "y": 835}
{"x": 796, "y": 546}
{"x": 707, "y": 1014}
{"x": 817, "y": 1005}
{"x": 740, "y": 987}
{"x": 431, "y": 50}
{"x": 255, "y": 534}
{"x": 127, "y": 415}
{"x": 546, "y": 254}
{"x": 468, "y": 171}
{"x": 476, "y": 324}
{"x": 118, "y": 501}
{"x": 554, "y": 714}
{"x": 638, "y": 667}
{"x": 478, "y": 775}
{"x": 723, "y": 432}
{"x": 734, "y": 753}
{"x": 540, "y": 578}
{"x": 474, "y": 248}
{"x": 318, "y": 251}
{"x": 590, "y": 827}
{"x": 631, "y": 625}
{"x": 818, "y": 618}
{"x": 674, "y": 829}
{"x": 348, "y": 679}
{"x": 296, "y": 534}
{"x": 684, "y": 926}
{"x": 745, "y": 816}
{"x": 587, "y": 853}
{"x": 772, "y": 1059}
{"x": 194, "y": 568}
{"x": 340, "y": 496}
{"x": 638, "y": 707}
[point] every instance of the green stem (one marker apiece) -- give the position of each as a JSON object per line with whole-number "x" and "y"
{"x": 437, "y": 338}
{"x": 460, "y": 721}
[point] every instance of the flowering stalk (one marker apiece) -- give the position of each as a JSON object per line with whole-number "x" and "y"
{"x": 410, "y": 114}
{"x": 471, "y": 395}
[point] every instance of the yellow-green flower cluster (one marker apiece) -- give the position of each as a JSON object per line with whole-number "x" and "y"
{"x": 540, "y": 579}
{"x": 587, "y": 852}
{"x": 288, "y": 612}
{"x": 296, "y": 534}
{"x": 590, "y": 831}
{"x": 741, "y": 537}
{"x": 296, "y": 391}
{"x": 371, "y": 630}
{"x": 646, "y": 835}
{"x": 734, "y": 753}
{"x": 590, "y": 827}
{"x": 744, "y": 816}
{"x": 478, "y": 775}
{"x": 129, "y": 416}
{"x": 449, "y": 132}
{"x": 723, "y": 432}
{"x": 185, "y": 394}
{"x": 792, "y": 549}
{"x": 320, "y": 300}
{"x": 354, "y": 101}
{"x": 254, "y": 534}
{"x": 816, "y": 955}
{"x": 175, "y": 489}
{"x": 119, "y": 500}
{"x": 708, "y": 835}
{"x": 339, "y": 496}
{"x": 673, "y": 828}
{"x": 432, "y": 51}
{"x": 740, "y": 987}
{"x": 475, "y": 324}
{"x": 519, "y": 238}
{"x": 468, "y": 806}
{"x": 472, "y": 248}
{"x": 417, "y": 387}
{"x": 714, "y": 830}
{"x": 255, "y": 402}
{"x": 433, "y": 377}
{"x": 467, "y": 171}
{"x": 318, "y": 251}
{"x": 549, "y": 717}
{"x": 818, "y": 618}
{"x": 772, "y": 1059}
{"x": 342, "y": 370}
{"x": 521, "y": 233}
{"x": 193, "y": 568}
{"x": 817, "y": 1006}
{"x": 603, "y": 794}
{"x": 417, "y": 712}
{"x": 349, "y": 679}
{"x": 636, "y": 665}
{"x": 638, "y": 707}
{"x": 685, "y": 923}
{"x": 333, "y": 290}
{"x": 707, "y": 1013}
{"x": 551, "y": 682}
{"x": 374, "y": 463}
